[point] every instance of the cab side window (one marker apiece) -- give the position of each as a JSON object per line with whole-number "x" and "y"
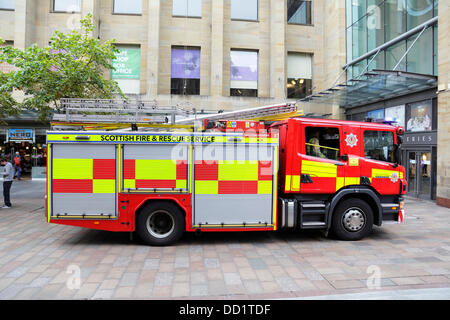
{"x": 322, "y": 142}
{"x": 379, "y": 145}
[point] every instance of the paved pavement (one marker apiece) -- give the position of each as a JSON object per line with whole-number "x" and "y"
{"x": 47, "y": 261}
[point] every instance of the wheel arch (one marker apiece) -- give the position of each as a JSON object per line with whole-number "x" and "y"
{"x": 366, "y": 194}
{"x": 147, "y": 202}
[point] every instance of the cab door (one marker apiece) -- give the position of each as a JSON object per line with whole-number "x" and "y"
{"x": 320, "y": 159}
{"x": 352, "y": 146}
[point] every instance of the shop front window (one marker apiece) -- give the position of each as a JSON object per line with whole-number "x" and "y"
{"x": 419, "y": 116}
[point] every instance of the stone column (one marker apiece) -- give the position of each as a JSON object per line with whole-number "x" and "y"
{"x": 91, "y": 6}
{"x": 24, "y": 23}
{"x": 154, "y": 14}
{"x": 217, "y": 43}
{"x": 277, "y": 49}
{"x": 443, "y": 134}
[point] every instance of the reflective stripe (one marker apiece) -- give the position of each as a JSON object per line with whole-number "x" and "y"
{"x": 238, "y": 170}
{"x": 319, "y": 169}
{"x": 295, "y": 183}
{"x": 381, "y": 173}
{"x": 73, "y": 169}
{"x": 104, "y": 169}
{"x": 287, "y": 183}
{"x": 156, "y": 138}
{"x": 265, "y": 187}
{"x": 72, "y": 185}
{"x": 129, "y": 184}
{"x": 206, "y": 187}
{"x": 103, "y": 186}
{"x": 156, "y": 170}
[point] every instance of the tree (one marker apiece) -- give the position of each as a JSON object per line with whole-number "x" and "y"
{"x": 72, "y": 66}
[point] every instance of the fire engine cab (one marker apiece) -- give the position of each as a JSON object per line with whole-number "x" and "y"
{"x": 300, "y": 173}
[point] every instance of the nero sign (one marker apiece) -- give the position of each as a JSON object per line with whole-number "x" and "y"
{"x": 21, "y": 135}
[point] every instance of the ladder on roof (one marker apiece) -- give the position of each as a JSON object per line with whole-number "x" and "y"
{"x": 103, "y": 114}
{"x": 271, "y": 112}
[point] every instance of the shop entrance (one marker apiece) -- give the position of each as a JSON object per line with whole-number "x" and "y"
{"x": 419, "y": 173}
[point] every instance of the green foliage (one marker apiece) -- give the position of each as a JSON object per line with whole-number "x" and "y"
{"x": 72, "y": 66}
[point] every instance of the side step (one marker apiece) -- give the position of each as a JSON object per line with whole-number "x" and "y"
{"x": 312, "y": 215}
{"x": 303, "y": 215}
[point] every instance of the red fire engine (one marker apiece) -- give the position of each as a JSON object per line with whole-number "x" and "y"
{"x": 300, "y": 173}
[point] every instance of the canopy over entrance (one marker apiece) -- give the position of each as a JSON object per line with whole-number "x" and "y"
{"x": 373, "y": 86}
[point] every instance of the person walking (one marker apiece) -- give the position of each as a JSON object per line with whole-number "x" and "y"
{"x": 17, "y": 165}
{"x": 8, "y": 176}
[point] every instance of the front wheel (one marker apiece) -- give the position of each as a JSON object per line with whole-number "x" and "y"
{"x": 160, "y": 224}
{"x": 352, "y": 219}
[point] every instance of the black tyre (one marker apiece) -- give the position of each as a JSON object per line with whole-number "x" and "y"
{"x": 352, "y": 220}
{"x": 160, "y": 224}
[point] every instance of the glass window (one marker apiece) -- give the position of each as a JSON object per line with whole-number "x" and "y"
{"x": 299, "y": 12}
{"x": 299, "y": 75}
{"x": 420, "y": 56}
{"x": 185, "y": 74}
{"x": 128, "y": 6}
{"x": 435, "y": 50}
{"x": 359, "y": 44}
{"x": 419, "y": 116}
{"x": 244, "y": 73}
{"x": 395, "y": 19}
{"x": 127, "y": 71}
{"x": 244, "y": 10}
{"x": 396, "y": 114}
{"x": 358, "y": 68}
{"x": 66, "y": 5}
{"x": 358, "y": 9}
{"x": 393, "y": 56}
{"x": 375, "y": 24}
{"x": 7, "y": 4}
{"x": 187, "y": 8}
{"x": 418, "y": 11}
{"x": 322, "y": 142}
{"x": 379, "y": 145}
{"x": 376, "y": 114}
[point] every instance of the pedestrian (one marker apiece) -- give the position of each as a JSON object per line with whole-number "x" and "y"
{"x": 17, "y": 165}
{"x": 8, "y": 176}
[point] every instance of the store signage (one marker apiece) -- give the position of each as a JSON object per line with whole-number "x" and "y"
{"x": 127, "y": 64}
{"x": 428, "y": 138}
{"x": 185, "y": 63}
{"x": 21, "y": 135}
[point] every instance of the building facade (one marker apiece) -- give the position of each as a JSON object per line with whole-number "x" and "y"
{"x": 406, "y": 38}
{"x": 208, "y": 54}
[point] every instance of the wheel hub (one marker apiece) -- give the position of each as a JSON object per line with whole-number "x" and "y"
{"x": 354, "y": 219}
{"x": 160, "y": 224}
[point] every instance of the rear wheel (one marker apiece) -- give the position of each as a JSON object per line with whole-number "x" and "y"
{"x": 352, "y": 219}
{"x": 160, "y": 224}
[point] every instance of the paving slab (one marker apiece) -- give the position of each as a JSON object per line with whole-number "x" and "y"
{"x": 47, "y": 261}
